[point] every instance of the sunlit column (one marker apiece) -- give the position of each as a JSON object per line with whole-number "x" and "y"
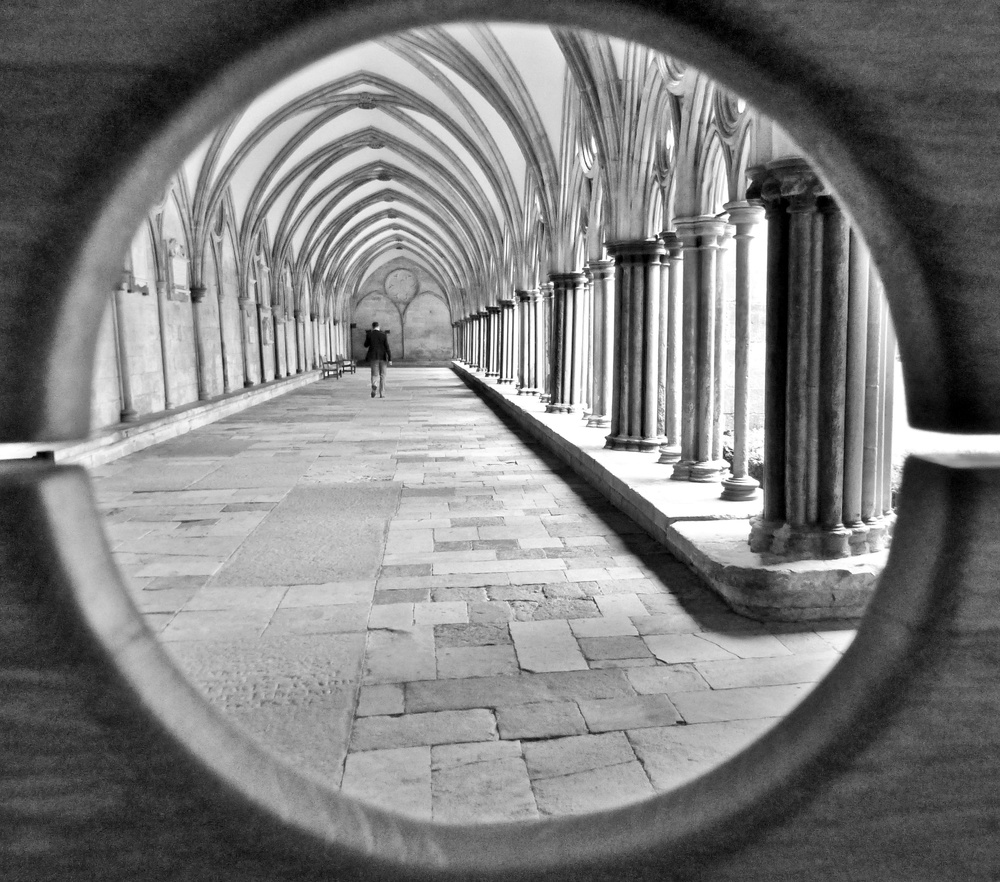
{"x": 747, "y": 219}
{"x": 671, "y": 311}
{"x": 118, "y": 310}
{"x": 637, "y": 327}
{"x": 603, "y": 312}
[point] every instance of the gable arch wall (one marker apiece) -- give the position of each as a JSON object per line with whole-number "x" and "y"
{"x": 908, "y": 793}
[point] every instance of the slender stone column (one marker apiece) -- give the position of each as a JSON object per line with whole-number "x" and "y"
{"x": 637, "y": 327}
{"x": 701, "y": 238}
{"x": 746, "y": 218}
{"x": 833, "y": 354}
{"x": 248, "y": 310}
{"x": 566, "y": 354}
{"x": 492, "y": 322}
{"x": 300, "y": 341}
{"x": 546, "y": 318}
{"x": 584, "y": 339}
{"x": 484, "y": 341}
{"x": 128, "y": 412}
{"x": 227, "y": 380}
{"x": 524, "y": 338}
{"x": 671, "y": 310}
{"x": 602, "y": 274}
{"x": 280, "y": 342}
{"x": 169, "y": 403}
{"x": 508, "y": 339}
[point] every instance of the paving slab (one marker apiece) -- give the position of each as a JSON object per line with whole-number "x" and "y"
{"x": 399, "y": 656}
{"x": 545, "y": 719}
{"x": 486, "y": 781}
{"x": 411, "y": 730}
{"x": 748, "y": 703}
{"x": 638, "y": 712}
{"x": 546, "y": 646}
{"x": 398, "y": 777}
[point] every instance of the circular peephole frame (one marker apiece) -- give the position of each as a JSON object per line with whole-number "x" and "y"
{"x": 717, "y": 810}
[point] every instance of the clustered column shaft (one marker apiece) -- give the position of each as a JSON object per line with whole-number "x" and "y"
{"x": 546, "y": 297}
{"x": 567, "y": 350}
{"x": 637, "y": 324}
{"x": 671, "y": 312}
{"x": 701, "y": 459}
{"x": 828, "y": 383}
{"x": 602, "y": 300}
{"x": 526, "y": 344}
{"x": 507, "y": 341}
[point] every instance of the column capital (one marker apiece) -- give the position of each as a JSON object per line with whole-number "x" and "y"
{"x": 507, "y": 304}
{"x": 198, "y": 293}
{"x": 492, "y": 308}
{"x": 522, "y": 295}
{"x": 690, "y": 230}
{"x": 796, "y": 182}
{"x": 601, "y": 269}
{"x": 565, "y": 279}
{"x": 483, "y": 313}
{"x": 744, "y": 216}
{"x": 639, "y": 248}
{"x": 672, "y": 244}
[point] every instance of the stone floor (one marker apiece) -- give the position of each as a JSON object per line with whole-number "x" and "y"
{"x": 408, "y": 600}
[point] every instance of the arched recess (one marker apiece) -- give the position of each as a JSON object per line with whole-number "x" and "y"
{"x": 375, "y": 307}
{"x": 427, "y": 329}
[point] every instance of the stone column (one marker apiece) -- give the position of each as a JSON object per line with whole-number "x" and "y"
{"x": 300, "y": 341}
{"x": 602, "y": 299}
{"x": 507, "y": 340}
{"x": 818, "y": 303}
{"x": 525, "y": 331}
{"x": 671, "y": 313}
{"x": 546, "y": 312}
{"x": 227, "y": 380}
{"x": 636, "y": 352}
{"x": 247, "y": 312}
{"x": 566, "y": 353}
{"x": 281, "y": 362}
{"x": 169, "y": 403}
{"x": 584, "y": 337}
{"x": 701, "y": 453}
{"x": 128, "y": 412}
{"x": 484, "y": 341}
{"x": 492, "y": 358}
{"x": 747, "y": 219}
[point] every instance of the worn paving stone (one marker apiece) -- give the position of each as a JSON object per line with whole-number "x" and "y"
{"x": 559, "y": 757}
{"x": 546, "y": 646}
{"x": 398, "y": 778}
{"x": 490, "y": 612}
{"x": 544, "y": 719}
{"x": 334, "y": 619}
{"x": 385, "y": 699}
{"x": 749, "y": 703}
{"x": 399, "y": 656}
{"x": 486, "y": 781}
{"x": 779, "y": 671}
{"x": 476, "y": 661}
{"x": 563, "y": 609}
{"x": 613, "y": 647}
{"x": 411, "y": 730}
{"x": 593, "y": 791}
{"x": 638, "y": 712}
{"x": 491, "y": 692}
{"x": 675, "y": 648}
{"x": 667, "y": 678}
{"x": 471, "y": 635}
{"x": 212, "y": 625}
{"x": 675, "y": 755}
{"x": 401, "y": 595}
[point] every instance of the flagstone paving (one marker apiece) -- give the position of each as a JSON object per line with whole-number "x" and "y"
{"x": 408, "y": 600}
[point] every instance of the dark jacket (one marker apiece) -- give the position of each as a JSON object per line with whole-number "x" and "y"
{"x": 378, "y": 346}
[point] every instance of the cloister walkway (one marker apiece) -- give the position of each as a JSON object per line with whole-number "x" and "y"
{"x": 410, "y": 601}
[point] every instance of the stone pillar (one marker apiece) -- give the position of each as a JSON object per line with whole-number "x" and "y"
{"x": 546, "y": 317}
{"x": 128, "y": 412}
{"x": 492, "y": 349}
{"x": 602, "y": 299}
{"x": 636, "y": 329}
{"x": 300, "y": 341}
{"x": 247, "y": 312}
{"x": 671, "y": 313}
{"x": 281, "y": 361}
{"x": 819, "y": 302}
{"x": 701, "y": 450}
{"x": 169, "y": 403}
{"x": 507, "y": 341}
{"x": 227, "y": 380}
{"x": 584, "y": 337}
{"x": 483, "y": 324}
{"x": 747, "y": 219}
{"x": 566, "y": 352}
{"x": 197, "y": 297}
{"x": 524, "y": 339}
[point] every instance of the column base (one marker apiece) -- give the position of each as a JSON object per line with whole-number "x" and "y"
{"x": 739, "y": 489}
{"x": 527, "y": 390}
{"x": 669, "y": 454}
{"x": 814, "y": 543}
{"x": 490, "y": 374}
{"x": 598, "y": 421}
{"x": 682, "y": 470}
{"x": 129, "y": 416}
{"x": 204, "y": 396}
{"x": 555, "y": 407}
{"x": 708, "y": 472}
{"x": 627, "y": 442}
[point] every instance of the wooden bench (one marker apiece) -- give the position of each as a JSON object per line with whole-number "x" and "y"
{"x": 332, "y": 369}
{"x": 348, "y": 365}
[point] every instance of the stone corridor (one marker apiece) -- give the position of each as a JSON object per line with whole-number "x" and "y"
{"x": 410, "y": 601}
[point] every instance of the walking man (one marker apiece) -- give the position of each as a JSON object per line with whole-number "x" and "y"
{"x": 379, "y": 357}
